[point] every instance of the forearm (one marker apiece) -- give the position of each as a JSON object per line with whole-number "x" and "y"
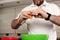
{"x": 16, "y": 23}
{"x": 55, "y": 19}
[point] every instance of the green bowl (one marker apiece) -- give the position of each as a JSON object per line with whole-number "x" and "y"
{"x": 34, "y": 36}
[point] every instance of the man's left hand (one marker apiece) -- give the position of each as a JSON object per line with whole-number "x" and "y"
{"x": 40, "y": 13}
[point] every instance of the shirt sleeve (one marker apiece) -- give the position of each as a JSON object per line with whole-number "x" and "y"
{"x": 56, "y": 10}
{"x": 20, "y": 13}
{"x": 24, "y": 9}
{"x": 24, "y": 22}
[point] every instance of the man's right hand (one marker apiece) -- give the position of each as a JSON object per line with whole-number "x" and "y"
{"x": 25, "y": 15}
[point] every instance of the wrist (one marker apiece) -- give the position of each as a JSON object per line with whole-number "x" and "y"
{"x": 48, "y": 16}
{"x": 20, "y": 19}
{"x": 44, "y": 15}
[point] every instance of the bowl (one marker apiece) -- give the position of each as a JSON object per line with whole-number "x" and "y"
{"x": 34, "y": 36}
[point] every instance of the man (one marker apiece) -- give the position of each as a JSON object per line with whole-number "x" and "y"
{"x": 38, "y": 25}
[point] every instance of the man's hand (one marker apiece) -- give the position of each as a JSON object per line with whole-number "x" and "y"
{"x": 17, "y": 22}
{"x": 40, "y": 13}
{"x": 25, "y": 15}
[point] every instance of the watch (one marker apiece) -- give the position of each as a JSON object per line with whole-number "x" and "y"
{"x": 49, "y": 15}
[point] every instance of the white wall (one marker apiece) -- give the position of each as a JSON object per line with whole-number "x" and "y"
{"x": 6, "y": 16}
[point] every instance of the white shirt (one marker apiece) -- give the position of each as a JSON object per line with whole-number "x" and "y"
{"x": 41, "y": 26}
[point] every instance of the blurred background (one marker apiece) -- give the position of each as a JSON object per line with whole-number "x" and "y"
{"x": 9, "y": 9}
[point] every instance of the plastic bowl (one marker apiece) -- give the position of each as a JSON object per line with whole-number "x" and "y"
{"x": 34, "y": 36}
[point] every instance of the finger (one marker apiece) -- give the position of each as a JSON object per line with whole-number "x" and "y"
{"x": 26, "y": 15}
{"x": 30, "y": 13}
{"x": 38, "y": 16}
{"x": 35, "y": 13}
